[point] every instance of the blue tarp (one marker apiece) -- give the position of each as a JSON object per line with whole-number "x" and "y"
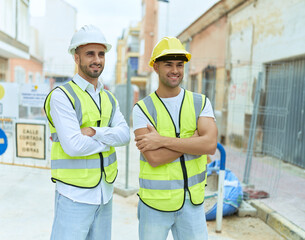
{"x": 233, "y": 193}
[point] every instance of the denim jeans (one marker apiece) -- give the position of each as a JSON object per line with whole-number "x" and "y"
{"x": 188, "y": 223}
{"x": 80, "y": 221}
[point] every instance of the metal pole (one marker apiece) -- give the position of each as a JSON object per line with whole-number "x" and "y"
{"x": 252, "y": 130}
{"x": 221, "y": 179}
{"x": 128, "y": 108}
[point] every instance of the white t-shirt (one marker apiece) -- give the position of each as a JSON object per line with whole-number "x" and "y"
{"x": 173, "y": 105}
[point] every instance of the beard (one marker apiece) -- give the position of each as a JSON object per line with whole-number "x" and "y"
{"x": 92, "y": 74}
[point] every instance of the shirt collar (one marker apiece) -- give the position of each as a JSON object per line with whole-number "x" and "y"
{"x": 85, "y": 85}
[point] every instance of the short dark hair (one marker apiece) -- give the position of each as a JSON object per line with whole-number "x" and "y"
{"x": 77, "y": 50}
{"x": 168, "y": 57}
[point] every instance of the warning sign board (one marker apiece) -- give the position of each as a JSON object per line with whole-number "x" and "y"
{"x": 30, "y": 140}
{"x": 9, "y": 95}
{"x": 33, "y": 95}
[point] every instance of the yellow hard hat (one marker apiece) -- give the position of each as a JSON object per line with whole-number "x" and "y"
{"x": 168, "y": 46}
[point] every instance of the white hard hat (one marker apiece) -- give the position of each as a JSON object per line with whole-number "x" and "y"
{"x": 88, "y": 34}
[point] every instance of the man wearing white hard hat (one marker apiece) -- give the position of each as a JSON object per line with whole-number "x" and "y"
{"x": 175, "y": 130}
{"x": 86, "y": 124}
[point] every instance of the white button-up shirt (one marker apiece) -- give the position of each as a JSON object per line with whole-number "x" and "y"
{"x": 74, "y": 143}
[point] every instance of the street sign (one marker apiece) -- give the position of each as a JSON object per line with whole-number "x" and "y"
{"x": 33, "y": 95}
{"x": 9, "y": 103}
{"x": 3, "y": 142}
{"x": 30, "y": 140}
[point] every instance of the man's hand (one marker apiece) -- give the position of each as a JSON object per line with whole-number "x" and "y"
{"x": 88, "y": 131}
{"x": 196, "y": 134}
{"x": 149, "y": 141}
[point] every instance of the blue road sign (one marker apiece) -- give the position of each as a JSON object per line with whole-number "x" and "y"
{"x": 3, "y": 142}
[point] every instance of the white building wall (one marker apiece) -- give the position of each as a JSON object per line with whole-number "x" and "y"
{"x": 56, "y": 29}
{"x": 260, "y": 32}
{"x": 36, "y": 45}
{"x": 279, "y": 30}
{"x": 14, "y": 23}
{"x": 8, "y": 17}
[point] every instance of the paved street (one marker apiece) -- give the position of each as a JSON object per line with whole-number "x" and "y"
{"x": 27, "y": 201}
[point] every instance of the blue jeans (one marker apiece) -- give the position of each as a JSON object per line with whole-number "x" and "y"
{"x": 80, "y": 221}
{"x": 188, "y": 223}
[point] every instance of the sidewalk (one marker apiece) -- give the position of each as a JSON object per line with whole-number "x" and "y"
{"x": 27, "y": 201}
{"x": 283, "y": 181}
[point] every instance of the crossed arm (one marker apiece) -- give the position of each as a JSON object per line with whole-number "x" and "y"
{"x": 159, "y": 150}
{"x": 85, "y": 141}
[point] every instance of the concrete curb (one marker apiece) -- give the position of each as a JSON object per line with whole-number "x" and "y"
{"x": 280, "y": 224}
{"x": 124, "y": 192}
{"x": 245, "y": 209}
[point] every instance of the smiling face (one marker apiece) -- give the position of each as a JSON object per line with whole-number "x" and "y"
{"x": 90, "y": 59}
{"x": 170, "y": 73}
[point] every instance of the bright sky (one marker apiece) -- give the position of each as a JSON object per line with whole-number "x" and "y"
{"x": 114, "y": 16}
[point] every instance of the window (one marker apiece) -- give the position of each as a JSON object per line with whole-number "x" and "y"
{"x": 23, "y": 21}
{"x": 142, "y": 47}
{"x": 30, "y": 77}
{"x": 19, "y": 75}
{"x": 3, "y": 68}
{"x": 8, "y": 17}
{"x": 208, "y": 83}
{"x": 143, "y": 9}
{"x": 38, "y": 78}
{"x": 134, "y": 62}
{"x": 194, "y": 83}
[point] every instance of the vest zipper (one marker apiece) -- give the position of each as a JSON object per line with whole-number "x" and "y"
{"x": 100, "y": 154}
{"x": 98, "y": 125}
{"x": 183, "y": 167}
{"x": 182, "y": 160}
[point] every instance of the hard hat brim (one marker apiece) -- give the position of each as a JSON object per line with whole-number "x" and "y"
{"x": 170, "y": 52}
{"x": 72, "y": 48}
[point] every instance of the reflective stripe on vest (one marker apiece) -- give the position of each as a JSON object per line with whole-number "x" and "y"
{"x": 172, "y": 184}
{"x": 54, "y": 137}
{"x": 80, "y": 163}
{"x": 113, "y": 107}
{"x": 187, "y": 157}
{"x": 77, "y": 104}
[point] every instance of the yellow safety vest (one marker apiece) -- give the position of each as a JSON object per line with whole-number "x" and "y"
{"x": 85, "y": 171}
{"x": 164, "y": 187}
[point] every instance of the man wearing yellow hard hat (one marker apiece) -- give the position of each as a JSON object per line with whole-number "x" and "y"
{"x": 174, "y": 130}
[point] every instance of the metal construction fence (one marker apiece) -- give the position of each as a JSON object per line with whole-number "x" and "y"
{"x": 260, "y": 115}
{"x": 262, "y": 119}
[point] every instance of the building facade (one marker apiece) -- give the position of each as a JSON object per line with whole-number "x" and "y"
{"x": 248, "y": 57}
{"x": 128, "y": 52}
{"x": 56, "y": 27}
{"x": 14, "y": 34}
